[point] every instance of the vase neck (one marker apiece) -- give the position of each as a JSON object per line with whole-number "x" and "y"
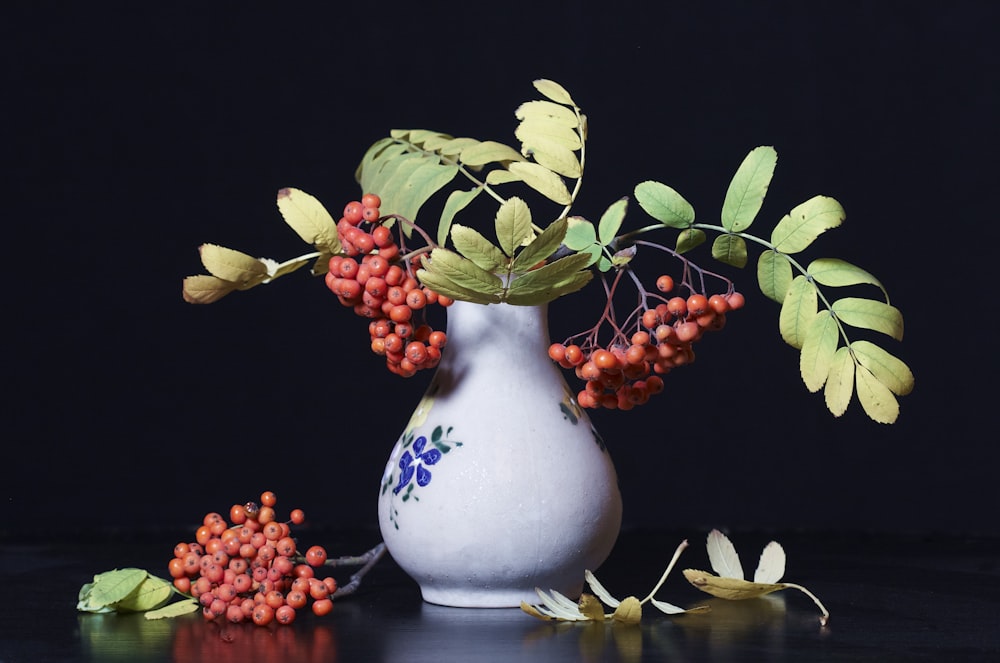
{"x": 502, "y": 331}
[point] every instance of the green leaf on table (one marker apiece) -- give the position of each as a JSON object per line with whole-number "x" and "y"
{"x": 797, "y": 311}
{"x": 747, "y": 189}
{"x": 888, "y": 369}
{"x": 513, "y": 225}
{"x": 474, "y": 246}
{"x": 730, "y": 249}
{"x": 152, "y": 593}
{"x": 870, "y": 314}
{"x": 818, "y": 348}
{"x": 664, "y": 204}
{"x": 109, "y": 588}
{"x": 774, "y": 275}
{"x": 797, "y": 229}
{"x": 840, "y": 382}
{"x": 175, "y": 609}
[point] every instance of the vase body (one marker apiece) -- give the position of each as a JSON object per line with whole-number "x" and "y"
{"x": 499, "y": 484}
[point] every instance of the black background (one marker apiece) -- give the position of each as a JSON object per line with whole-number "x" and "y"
{"x": 134, "y": 134}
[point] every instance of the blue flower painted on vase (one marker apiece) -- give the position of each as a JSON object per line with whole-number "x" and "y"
{"x": 415, "y": 464}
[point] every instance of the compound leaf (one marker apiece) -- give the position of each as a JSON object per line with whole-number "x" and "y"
{"x": 888, "y": 369}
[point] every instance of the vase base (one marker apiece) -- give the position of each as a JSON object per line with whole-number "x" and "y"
{"x": 486, "y": 597}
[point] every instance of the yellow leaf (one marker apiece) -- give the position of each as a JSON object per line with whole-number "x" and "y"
{"x": 876, "y": 398}
{"x": 173, "y": 610}
{"x": 629, "y": 611}
{"x": 231, "y": 265}
{"x": 205, "y": 289}
{"x": 818, "y": 348}
{"x": 732, "y": 589}
{"x": 554, "y": 91}
{"x": 547, "y": 110}
{"x": 591, "y": 608}
{"x": 840, "y": 382}
{"x": 797, "y": 311}
{"x": 307, "y": 217}
{"x": 542, "y": 180}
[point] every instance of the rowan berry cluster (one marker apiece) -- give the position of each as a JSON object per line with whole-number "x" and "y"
{"x": 372, "y": 276}
{"x": 629, "y": 370}
{"x": 250, "y": 568}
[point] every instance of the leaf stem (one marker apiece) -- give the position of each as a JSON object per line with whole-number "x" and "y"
{"x": 670, "y": 566}
{"x": 825, "y": 618}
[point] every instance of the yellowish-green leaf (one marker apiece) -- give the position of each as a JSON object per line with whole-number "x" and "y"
{"x": 629, "y": 611}
{"x": 373, "y": 156}
{"x": 876, "y": 398}
{"x": 500, "y": 176}
{"x": 731, "y": 589}
{"x": 664, "y": 204}
{"x": 554, "y": 91}
{"x": 542, "y": 180}
{"x": 837, "y": 273}
{"x": 231, "y": 265}
{"x": 888, "y": 369}
{"x": 414, "y": 184}
{"x": 870, "y": 314}
{"x": 611, "y": 221}
{"x": 513, "y": 224}
{"x": 456, "y": 202}
{"x": 730, "y": 249}
{"x": 580, "y": 233}
{"x": 463, "y": 272}
{"x": 547, "y": 110}
{"x": 774, "y": 275}
{"x": 839, "y": 382}
{"x": 444, "y": 285}
{"x": 550, "y": 281}
{"x": 540, "y": 248}
{"x": 689, "y": 238}
{"x": 489, "y": 151}
{"x": 797, "y": 311}
{"x": 553, "y": 155}
{"x": 151, "y": 594}
{"x": 308, "y": 218}
{"x": 175, "y": 609}
{"x": 454, "y": 147}
{"x": 205, "y": 289}
{"x": 818, "y": 348}
{"x": 474, "y": 246}
{"x": 111, "y": 587}
{"x": 747, "y": 189}
{"x": 545, "y": 129}
{"x": 805, "y": 223}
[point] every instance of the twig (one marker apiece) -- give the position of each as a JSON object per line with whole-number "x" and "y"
{"x": 366, "y": 561}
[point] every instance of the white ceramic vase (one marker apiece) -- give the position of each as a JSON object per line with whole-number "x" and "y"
{"x": 499, "y": 484}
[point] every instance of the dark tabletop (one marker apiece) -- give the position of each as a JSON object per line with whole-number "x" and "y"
{"x": 891, "y": 598}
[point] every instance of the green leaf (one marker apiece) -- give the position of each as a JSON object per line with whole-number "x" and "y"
{"x": 580, "y": 233}
{"x": 840, "y": 382}
{"x": 501, "y": 176}
{"x": 553, "y": 155}
{"x": 540, "y": 248}
{"x": 513, "y": 224}
{"x": 151, "y": 593}
{"x": 876, "y": 398}
{"x": 454, "y": 147}
{"x": 414, "y": 184}
{"x": 553, "y": 280}
{"x": 175, "y": 609}
{"x": 805, "y": 223}
{"x": 542, "y": 180}
{"x": 887, "y": 369}
{"x": 111, "y": 587}
{"x": 547, "y": 110}
{"x": 664, "y": 204}
{"x": 774, "y": 275}
{"x": 818, "y": 348}
{"x": 463, "y": 272}
{"x": 870, "y": 314}
{"x": 837, "y": 273}
{"x": 554, "y": 91}
{"x": 444, "y": 285}
{"x": 307, "y": 217}
{"x": 474, "y": 246}
{"x": 797, "y": 311}
{"x": 489, "y": 151}
{"x": 611, "y": 221}
{"x": 233, "y": 266}
{"x": 730, "y": 249}
{"x": 689, "y": 238}
{"x": 747, "y": 189}
{"x": 456, "y": 202}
